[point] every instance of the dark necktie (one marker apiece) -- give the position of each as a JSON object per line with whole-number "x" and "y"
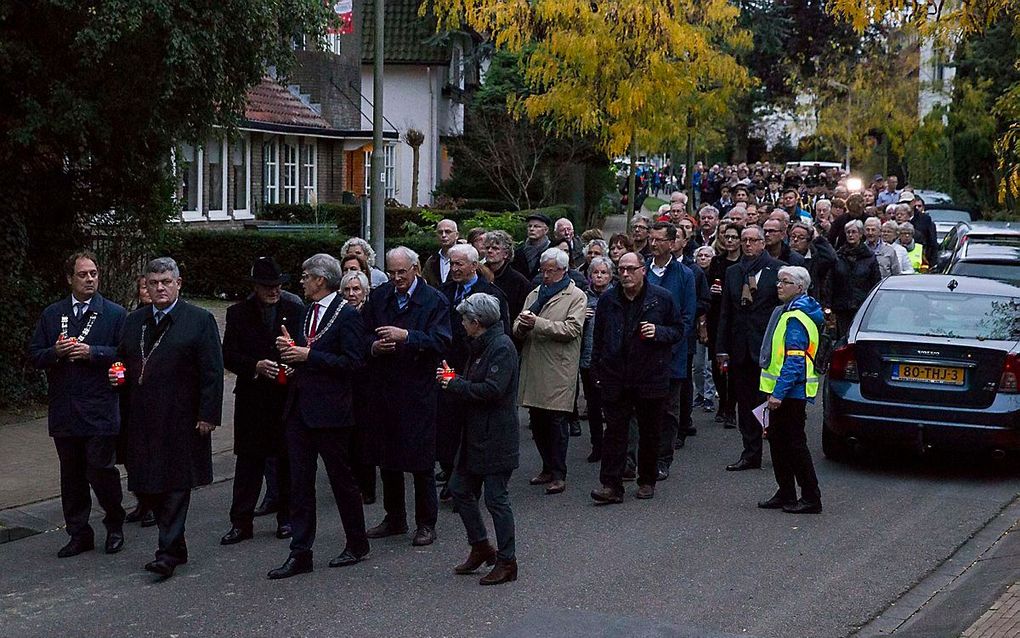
{"x": 159, "y": 316}
{"x": 402, "y": 300}
{"x": 79, "y": 310}
{"x": 315, "y": 321}
{"x": 460, "y": 293}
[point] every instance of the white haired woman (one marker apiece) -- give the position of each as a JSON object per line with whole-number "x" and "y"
{"x": 486, "y": 393}
{"x": 789, "y": 379}
{"x": 358, "y": 246}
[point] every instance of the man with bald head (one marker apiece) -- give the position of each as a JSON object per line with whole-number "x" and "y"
{"x": 437, "y": 267}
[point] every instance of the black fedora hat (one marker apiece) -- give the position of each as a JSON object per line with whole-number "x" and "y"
{"x": 539, "y": 217}
{"x": 267, "y": 272}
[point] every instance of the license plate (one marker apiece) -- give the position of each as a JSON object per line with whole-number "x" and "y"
{"x": 927, "y": 374}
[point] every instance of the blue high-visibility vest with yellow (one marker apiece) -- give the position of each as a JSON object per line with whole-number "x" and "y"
{"x": 769, "y": 376}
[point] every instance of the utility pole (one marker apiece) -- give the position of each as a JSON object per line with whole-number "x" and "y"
{"x": 378, "y": 239}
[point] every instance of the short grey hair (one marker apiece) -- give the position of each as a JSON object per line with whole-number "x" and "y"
{"x": 480, "y": 307}
{"x": 405, "y": 252}
{"x": 163, "y": 264}
{"x": 639, "y": 217}
{"x": 890, "y": 209}
{"x": 355, "y": 274}
{"x": 854, "y": 223}
{"x": 799, "y": 275}
{"x": 563, "y": 221}
{"x": 358, "y": 241}
{"x": 601, "y": 243}
{"x": 891, "y": 225}
{"x": 466, "y": 250}
{"x": 904, "y": 206}
{"x": 503, "y": 239}
{"x": 905, "y": 226}
{"x": 603, "y": 260}
{"x": 710, "y": 209}
{"x": 874, "y": 220}
{"x": 704, "y": 249}
{"x": 823, "y": 203}
{"x": 555, "y": 254}
{"x": 325, "y": 266}
{"x": 806, "y": 227}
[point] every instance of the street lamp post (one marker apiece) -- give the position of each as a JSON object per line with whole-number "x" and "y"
{"x": 378, "y": 196}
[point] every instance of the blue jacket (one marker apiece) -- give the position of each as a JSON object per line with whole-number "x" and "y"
{"x": 81, "y": 401}
{"x": 790, "y": 384}
{"x": 678, "y": 280}
{"x": 621, "y": 360}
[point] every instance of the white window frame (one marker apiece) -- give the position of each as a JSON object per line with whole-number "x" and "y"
{"x": 222, "y": 213}
{"x": 244, "y": 213}
{"x": 389, "y": 171}
{"x": 196, "y": 214}
{"x": 309, "y": 176}
{"x": 271, "y": 192}
{"x": 290, "y": 161}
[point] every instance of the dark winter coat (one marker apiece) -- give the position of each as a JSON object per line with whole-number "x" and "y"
{"x": 854, "y": 274}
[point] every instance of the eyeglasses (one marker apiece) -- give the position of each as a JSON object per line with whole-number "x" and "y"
{"x": 629, "y": 268}
{"x": 731, "y": 237}
{"x": 640, "y": 227}
{"x": 784, "y": 282}
{"x": 398, "y": 273}
{"x": 751, "y": 240}
{"x": 772, "y": 230}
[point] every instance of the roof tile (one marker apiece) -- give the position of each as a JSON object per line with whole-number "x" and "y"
{"x": 272, "y": 103}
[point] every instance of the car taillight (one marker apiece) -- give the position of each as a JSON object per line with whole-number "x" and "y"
{"x": 1010, "y": 373}
{"x": 843, "y": 366}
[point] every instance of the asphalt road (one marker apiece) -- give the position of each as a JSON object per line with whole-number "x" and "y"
{"x": 698, "y": 560}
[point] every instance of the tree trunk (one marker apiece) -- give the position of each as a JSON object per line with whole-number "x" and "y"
{"x": 632, "y": 181}
{"x": 415, "y": 163}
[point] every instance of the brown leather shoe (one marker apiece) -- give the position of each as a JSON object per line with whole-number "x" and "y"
{"x": 481, "y": 553}
{"x": 556, "y": 487}
{"x": 541, "y": 479}
{"x": 645, "y": 491}
{"x": 424, "y": 535}
{"x": 606, "y": 496}
{"x": 504, "y": 572}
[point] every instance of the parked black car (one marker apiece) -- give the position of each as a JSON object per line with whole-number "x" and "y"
{"x": 930, "y": 362}
{"x": 973, "y": 232}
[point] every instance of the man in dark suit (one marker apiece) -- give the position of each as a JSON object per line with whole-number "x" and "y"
{"x": 326, "y": 354}
{"x": 748, "y": 299}
{"x": 464, "y": 281}
{"x": 75, "y": 342}
{"x": 175, "y": 396}
{"x": 408, "y": 324}
{"x": 249, "y": 351}
{"x": 437, "y": 266}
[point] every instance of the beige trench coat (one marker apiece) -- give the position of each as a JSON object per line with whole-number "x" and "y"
{"x": 552, "y": 351}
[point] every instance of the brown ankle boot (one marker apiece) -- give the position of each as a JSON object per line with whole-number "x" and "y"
{"x": 503, "y": 572}
{"x": 481, "y": 552}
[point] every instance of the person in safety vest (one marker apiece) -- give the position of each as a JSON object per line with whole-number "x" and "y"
{"x": 789, "y": 378}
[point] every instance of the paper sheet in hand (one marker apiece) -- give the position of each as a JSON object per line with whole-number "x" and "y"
{"x": 762, "y": 414}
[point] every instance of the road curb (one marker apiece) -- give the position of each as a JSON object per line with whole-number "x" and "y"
{"x": 938, "y": 584}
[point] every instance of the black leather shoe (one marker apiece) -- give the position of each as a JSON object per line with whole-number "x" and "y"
{"x": 424, "y": 535}
{"x": 135, "y": 515}
{"x": 730, "y": 422}
{"x": 743, "y": 464}
{"x": 662, "y": 475}
{"x": 114, "y": 542}
{"x": 284, "y": 531}
{"x": 384, "y": 529}
{"x": 575, "y": 428}
{"x": 445, "y": 495}
{"x": 595, "y": 456}
{"x": 804, "y": 507}
{"x": 161, "y": 567}
{"x": 777, "y": 502}
{"x": 76, "y": 546}
{"x": 148, "y": 519}
{"x": 267, "y": 507}
{"x": 629, "y": 475}
{"x": 291, "y": 567}
{"x": 691, "y": 431}
{"x": 236, "y": 535}
{"x": 347, "y": 558}
{"x": 368, "y": 499}
{"x": 442, "y": 477}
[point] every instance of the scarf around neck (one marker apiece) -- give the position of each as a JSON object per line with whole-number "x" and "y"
{"x": 748, "y": 267}
{"x": 547, "y": 292}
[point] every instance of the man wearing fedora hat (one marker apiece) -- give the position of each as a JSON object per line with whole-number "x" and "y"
{"x": 249, "y": 351}
{"x": 527, "y": 253}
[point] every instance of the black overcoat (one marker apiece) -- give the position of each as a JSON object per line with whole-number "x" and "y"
{"x": 742, "y": 328}
{"x": 182, "y": 385}
{"x": 404, "y": 384}
{"x": 80, "y": 399}
{"x": 258, "y": 401}
{"x": 486, "y": 396}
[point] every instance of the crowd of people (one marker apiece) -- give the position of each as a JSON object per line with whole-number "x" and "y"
{"x": 383, "y": 373}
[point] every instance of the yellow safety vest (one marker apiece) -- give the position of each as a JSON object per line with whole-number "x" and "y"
{"x": 769, "y": 376}
{"x": 916, "y": 255}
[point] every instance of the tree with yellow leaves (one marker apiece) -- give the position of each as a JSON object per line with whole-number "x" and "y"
{"x": 626, "y": 73}
{"x": 946, "y": 22}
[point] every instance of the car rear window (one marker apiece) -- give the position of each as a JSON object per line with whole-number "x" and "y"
{"x": 1009, "y": 273}
{"x": 949, "y": 314}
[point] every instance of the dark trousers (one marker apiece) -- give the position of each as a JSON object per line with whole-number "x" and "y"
{"x": 364, "y": 474}
{"x": 592, "y": 395}
{"x": 649, "y": 413}
{"x": 466, "y": 489}
{"x": 727, "y": 400}
{"x": 273, "y": 490}
{"x": 426, "y": 503}
{"x": 791, "y": 458}
{"x": 685, "y": 422}
{"x": 672, "y": 418}
{"x": 85, "y": 461}
{"x": 304, "y": 446}
{"x": 248, "y": 472}
{"x": 550, "y": 430}
{"x": 744, "y": 379}
{"x": 171, "y": 512}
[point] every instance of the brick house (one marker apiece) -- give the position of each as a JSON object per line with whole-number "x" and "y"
{"x": 308, "y": 138}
